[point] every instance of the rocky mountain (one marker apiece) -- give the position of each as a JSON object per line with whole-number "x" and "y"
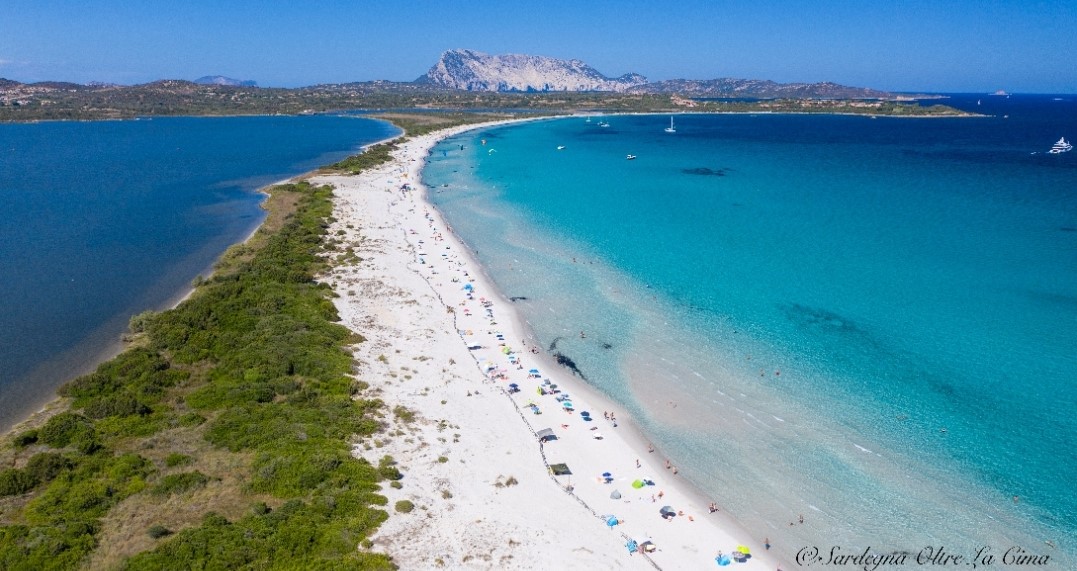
{"x": 470, "y": 70}
{"x": 475, "y": 71}
{"x": 759, "y": 89}
{"x": 222, "y": 80}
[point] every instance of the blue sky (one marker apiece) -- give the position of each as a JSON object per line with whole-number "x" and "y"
{"x": 912, "y": 45}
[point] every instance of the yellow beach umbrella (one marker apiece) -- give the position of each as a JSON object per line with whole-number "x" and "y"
{"x": 743, "y": 549}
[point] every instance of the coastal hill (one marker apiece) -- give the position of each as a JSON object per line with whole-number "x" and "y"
{"x": 760, "y": 89}
{"x": 222, "y": 80}
{"x": 475, "y": 71}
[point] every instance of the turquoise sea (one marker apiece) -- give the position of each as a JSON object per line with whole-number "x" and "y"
{"x": 102, "y": 220}
{"x": 868, "y": 322}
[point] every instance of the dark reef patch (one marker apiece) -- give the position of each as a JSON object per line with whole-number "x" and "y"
{"x": 821, "y": 319}
{"x": 705, "y": 171}
{"x": 569, "y": 364}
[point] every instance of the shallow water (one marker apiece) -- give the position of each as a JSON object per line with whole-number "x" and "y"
{"x": 868, "y": 322}
{"x": 103, "y": 220}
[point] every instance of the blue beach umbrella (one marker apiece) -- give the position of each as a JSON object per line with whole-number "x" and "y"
{"x": 469, "y": 287}
{"x": 722, "y": 560}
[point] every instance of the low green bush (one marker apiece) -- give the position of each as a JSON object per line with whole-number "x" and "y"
{"x": 176, "y": 459}
{"x": 66, "y": 428}
{"x": 45, "y": 467}
{"x": 14, "y": 482}
{"x": 180, "y": 483}
{"x": 24, "y": 439}
{"x": 158, "y": 531}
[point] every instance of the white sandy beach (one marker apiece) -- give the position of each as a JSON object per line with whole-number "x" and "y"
{"x": 471, "y": 438}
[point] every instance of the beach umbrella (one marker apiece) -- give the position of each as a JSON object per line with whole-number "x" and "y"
{"x": 632, "y": 546}
{"x": 743, "y": 549}
{"x": 722, "y": 560}
{"x": 606, "y": 474}
{"x": 534, "y": 371}
{"x": 612, "y": 521}
{"x": 469, "y": 287}
{"x": 638, "y": 484}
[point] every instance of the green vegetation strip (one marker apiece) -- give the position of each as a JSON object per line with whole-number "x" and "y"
{"x": 240, "y": 396}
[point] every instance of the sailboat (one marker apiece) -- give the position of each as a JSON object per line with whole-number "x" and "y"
{"x": 671, "y": 128}
{"x": 1062, "y": 146}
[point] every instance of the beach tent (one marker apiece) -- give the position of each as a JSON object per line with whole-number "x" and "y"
{"x": 667, "y": 512}
{"x": 647, "y": 545}
{"x": 615, "y": 495}
{"x": 546, "y": 434}
{"x": 560, "y": 470}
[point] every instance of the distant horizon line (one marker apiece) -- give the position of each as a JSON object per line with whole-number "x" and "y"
{"x": 903, "y": 91}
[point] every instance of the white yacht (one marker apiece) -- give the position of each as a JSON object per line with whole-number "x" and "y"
{"x": 671, "y": 128}
{"x": 1062, "y": 146}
